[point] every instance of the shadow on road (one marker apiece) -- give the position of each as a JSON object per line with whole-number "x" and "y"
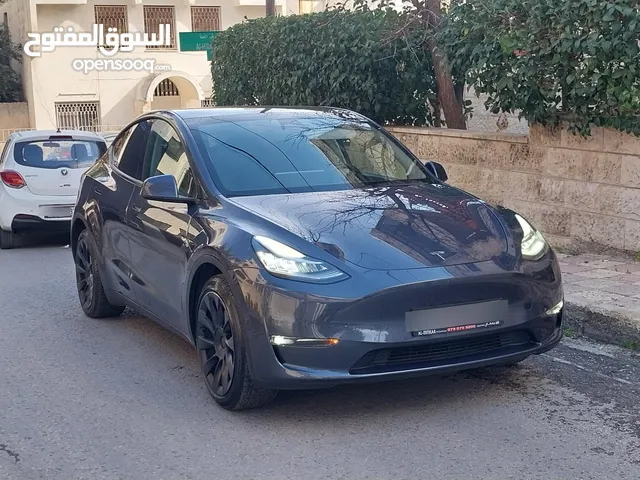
{"x": 39, "y": 240}
{"x": 465, "y": 390}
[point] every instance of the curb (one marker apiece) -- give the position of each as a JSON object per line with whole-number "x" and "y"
{"x": 602, "y": 325}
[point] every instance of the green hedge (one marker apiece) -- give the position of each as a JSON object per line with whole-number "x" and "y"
{"x": 353, "y": 60}
{"x": 10, "y": 84}
{"x": 574, "y": 60}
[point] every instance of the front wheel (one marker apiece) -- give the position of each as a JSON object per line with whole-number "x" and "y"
{"x": 219, "y": 338}
{"x": 93, "y": 300}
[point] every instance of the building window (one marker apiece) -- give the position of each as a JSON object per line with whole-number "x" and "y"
{"x": 306, "y": 6}
{"x": 205, "y": 19}
{"x": 112, "y": 16}
{"x": 5, "y": 18}
{"x": 78, "y": 115}
{"x": 166, "y": 88}
{"x": 207, "y": 102}
{"x": 155, "y": 16}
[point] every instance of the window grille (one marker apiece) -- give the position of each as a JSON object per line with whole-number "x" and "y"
{"x": 166, "y": 88}
{"x": 78, "y": 116}
{"x": 112, "y": 16}
{"x": 155, "y": 16}
{"x": 205, "y": 19}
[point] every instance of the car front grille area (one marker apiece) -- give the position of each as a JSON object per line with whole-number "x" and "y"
{"x": 442, "y": 353}
{"x": 391, "y": 305}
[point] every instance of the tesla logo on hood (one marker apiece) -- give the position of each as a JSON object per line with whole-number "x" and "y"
{"x": 64, "y": 172}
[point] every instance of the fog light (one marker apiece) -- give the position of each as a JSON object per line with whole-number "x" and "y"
{"x": 555, "y": 309}
{"x": 280, "y": 340}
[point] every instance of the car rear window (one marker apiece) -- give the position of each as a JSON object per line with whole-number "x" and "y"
{"x": 58, "y": 153}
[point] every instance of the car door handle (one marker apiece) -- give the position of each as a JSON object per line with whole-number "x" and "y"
{"x": 97, "y": 191}
{"x": 136, "y": 208}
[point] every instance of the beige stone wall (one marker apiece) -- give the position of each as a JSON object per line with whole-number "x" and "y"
{"x": 14, "y": 115}
{"x": 579, "y": 192}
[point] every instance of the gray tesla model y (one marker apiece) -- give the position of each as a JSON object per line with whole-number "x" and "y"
{"x": 306, "y": 248}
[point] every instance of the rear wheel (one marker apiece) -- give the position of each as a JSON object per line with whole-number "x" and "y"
{"x": 90, "y": 289}
{"x": 7, "y": 239}
{"x": 219, "y": 338}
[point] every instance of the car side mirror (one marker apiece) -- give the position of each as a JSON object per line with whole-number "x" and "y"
{"x": 437, "y": 170}
{"x": 163, "y": 188}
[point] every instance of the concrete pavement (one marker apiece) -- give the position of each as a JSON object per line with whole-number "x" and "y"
{"x": 602, "y": 293}
{"x": 123, "y": 399}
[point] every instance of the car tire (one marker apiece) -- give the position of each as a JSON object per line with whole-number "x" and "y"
{"x": 219, "y": 337}
{"x": 91, "y": 294}
{"x": 7, "y": 240}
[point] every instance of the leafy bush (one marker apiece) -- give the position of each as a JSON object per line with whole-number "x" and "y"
{"x": 353, "y": 60}
{"x": 573, "y": 60}
{"x": 10, "y": 84}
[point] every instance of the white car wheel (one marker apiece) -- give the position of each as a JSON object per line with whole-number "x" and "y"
{"x": 7, "y": 239}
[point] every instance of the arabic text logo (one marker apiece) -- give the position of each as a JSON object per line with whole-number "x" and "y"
{"x": 108, "y": 44}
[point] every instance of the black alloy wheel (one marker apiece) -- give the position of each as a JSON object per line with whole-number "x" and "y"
{"x": 219, "y": 338}
{"x": 91, "y": 294}
{"x": 84, "y": 273}
{"x": 215, "y": 344}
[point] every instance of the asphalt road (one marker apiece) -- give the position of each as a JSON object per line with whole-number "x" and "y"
{"x": 123, "y": 399}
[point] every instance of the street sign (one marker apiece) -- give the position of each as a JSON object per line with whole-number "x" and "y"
{"x": 197, "y": 42}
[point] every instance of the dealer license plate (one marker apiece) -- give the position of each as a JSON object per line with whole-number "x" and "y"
{"x": 456, "y": 318}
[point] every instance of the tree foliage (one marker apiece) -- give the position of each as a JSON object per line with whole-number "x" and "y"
{"x": 572, "y": 60}
{"x": 354, "y": 60}
{"x": 10, "y": 84}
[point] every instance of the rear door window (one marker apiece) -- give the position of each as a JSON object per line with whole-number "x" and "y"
{"x": 58, "y": 153}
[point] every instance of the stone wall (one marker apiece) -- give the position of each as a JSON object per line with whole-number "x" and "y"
{"x": 581, "y": 193}
{"x": 14, "y": 115}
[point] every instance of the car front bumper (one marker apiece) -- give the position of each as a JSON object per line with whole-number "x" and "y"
{"x": 368, "y": 321}
{"x": 320, "y": 367}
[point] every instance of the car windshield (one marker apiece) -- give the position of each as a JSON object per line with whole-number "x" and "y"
{"x": 263, "y": 154}
{"x": 58, "y": 153}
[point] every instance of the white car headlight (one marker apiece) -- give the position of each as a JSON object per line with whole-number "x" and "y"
{"x": 282, "y": 260}
{"x": 533, "y": 244}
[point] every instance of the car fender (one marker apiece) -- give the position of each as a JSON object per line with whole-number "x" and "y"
{"x": 214, "y": 257}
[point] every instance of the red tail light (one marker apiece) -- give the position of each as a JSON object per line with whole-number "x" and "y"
{"x": 12, "y": 179}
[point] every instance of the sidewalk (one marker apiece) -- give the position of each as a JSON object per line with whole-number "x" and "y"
{"x": 602, "y": 297}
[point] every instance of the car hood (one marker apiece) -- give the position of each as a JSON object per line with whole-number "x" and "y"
{"x": 387, "y": 228}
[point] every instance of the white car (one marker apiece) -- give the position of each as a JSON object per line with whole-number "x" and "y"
{"x": 40, "y": 172}
{"x": 109, "y": 137}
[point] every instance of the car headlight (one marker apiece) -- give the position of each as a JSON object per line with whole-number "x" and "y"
{"x": 533, "y": 244}
{"x": 282, "y": 260}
